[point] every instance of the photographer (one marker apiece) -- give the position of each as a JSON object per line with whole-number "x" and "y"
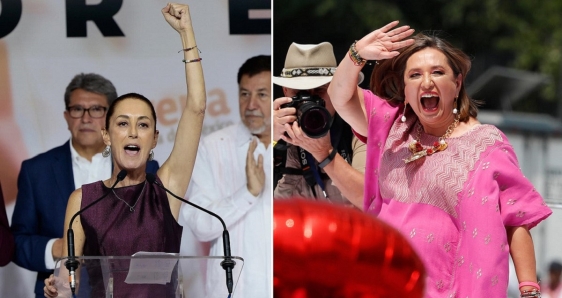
{"x": 316, "y": 150}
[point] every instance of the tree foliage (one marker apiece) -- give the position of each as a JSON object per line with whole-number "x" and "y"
{"x": 522, "y": 34}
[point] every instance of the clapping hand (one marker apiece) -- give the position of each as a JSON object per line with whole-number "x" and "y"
{"x": 255, "y": 174}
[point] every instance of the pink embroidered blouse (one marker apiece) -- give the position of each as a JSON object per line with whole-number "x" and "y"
{"x": 454, "y": 205}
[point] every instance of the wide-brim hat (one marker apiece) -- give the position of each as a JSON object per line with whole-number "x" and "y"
{"x": 308, "y": 66}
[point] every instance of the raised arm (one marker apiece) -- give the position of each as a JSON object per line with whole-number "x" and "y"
{"x": 175, "y": 173}
{"x": 346, "y": 96}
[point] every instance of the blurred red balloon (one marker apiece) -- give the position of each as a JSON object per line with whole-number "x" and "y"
{"x": 324, "y": 250}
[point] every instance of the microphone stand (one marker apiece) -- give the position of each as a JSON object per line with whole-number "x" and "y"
{"x": 227, "y": 264}
{"x": 72, "y": 264}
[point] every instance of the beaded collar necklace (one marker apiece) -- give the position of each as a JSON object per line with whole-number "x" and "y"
{"x": 131, "y": 208}
{"x": 418, "y": 151}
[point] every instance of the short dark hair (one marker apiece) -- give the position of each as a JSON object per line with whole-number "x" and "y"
{"x": 387, "y": 78}
{"x": 114, "y": 103}
{"x": 255, "y": 65}
{"x": 91, "y": 82}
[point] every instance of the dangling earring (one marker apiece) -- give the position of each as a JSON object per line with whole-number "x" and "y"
{"x": 106, "y": 152}
{"x": 455, "y": 111}
{"x": 151, "y": 155}
{"x": 404, "y": 113}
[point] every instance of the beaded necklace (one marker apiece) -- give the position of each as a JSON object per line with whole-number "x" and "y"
{"x": 418, "y": 151}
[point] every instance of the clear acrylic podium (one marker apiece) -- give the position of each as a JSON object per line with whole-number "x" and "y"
{"x": 141, "y": 275}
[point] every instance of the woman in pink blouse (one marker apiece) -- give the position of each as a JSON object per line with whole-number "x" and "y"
{"x": 450, "y": 184}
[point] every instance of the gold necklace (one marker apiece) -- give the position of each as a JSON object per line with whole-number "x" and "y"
{"x": 418, "y": 151}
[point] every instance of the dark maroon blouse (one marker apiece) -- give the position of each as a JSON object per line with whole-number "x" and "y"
{"x": 113, "y": 228}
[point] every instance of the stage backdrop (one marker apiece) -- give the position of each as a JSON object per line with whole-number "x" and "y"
{"x": 43, "y": 44}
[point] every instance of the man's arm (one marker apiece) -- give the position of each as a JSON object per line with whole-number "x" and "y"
{"x": 348, "y": 180}
{"x": 282, "y": 117}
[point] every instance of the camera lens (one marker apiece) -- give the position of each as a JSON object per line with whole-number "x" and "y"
{"x": 314, "y": 120}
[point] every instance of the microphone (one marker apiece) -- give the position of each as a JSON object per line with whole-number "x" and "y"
{"x": 227, "y": 264}
{"x": 72, "y": 264}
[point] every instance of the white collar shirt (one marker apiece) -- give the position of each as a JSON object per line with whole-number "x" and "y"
{"x": 219, "y": 185}
{"x": 85, "y": 171}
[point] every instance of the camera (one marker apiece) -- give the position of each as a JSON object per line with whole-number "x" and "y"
{"x": 312, "y": 115}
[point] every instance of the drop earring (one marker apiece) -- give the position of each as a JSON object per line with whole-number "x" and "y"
{"x": 151, "y": 155}
{"x": 455, "y": 111}
{"x": 106, "y": 152}
{"x": 404, "y": 113}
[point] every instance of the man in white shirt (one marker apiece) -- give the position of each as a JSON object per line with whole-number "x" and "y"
{"x": 46, "y": 181}
{"x": 229, "y": 179}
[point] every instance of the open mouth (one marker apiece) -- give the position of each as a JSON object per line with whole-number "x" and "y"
{"x": 430, "y": 102}
{"x": 132, "y": 149}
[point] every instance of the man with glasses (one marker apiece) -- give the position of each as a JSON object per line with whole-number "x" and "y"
{"x": 232, "y": 178}
{"x": 46, "y": 181}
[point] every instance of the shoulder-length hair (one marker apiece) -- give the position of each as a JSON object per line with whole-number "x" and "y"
{"x": 387, "y": 78}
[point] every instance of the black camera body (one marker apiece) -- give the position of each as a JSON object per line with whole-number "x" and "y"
{"x": 312, "y": 115}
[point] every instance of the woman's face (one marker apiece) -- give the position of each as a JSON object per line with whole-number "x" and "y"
{"x": 131, "y": 134}
{"x": 430, "y": 87}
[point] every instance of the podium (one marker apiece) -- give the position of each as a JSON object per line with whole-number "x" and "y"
{"x": 145, "y": 274}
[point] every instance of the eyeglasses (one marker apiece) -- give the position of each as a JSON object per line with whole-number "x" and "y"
{"x": 93, "y": 111}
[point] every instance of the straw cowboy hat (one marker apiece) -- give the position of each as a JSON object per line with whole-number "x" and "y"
{"x": 308, "y": 66}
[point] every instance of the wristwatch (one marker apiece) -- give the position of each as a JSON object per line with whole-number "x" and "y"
{"x": 328, "y": 159}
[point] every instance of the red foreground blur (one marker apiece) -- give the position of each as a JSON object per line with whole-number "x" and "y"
{"x": 323, "y": 250}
